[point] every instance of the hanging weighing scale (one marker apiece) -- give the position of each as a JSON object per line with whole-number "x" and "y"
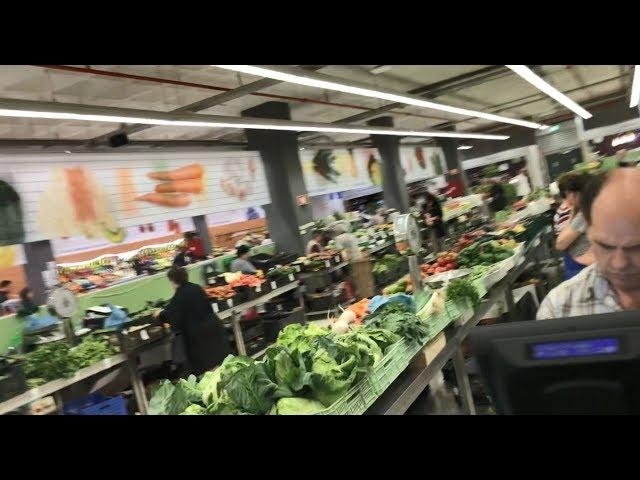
{"x": 63, "y": 302}
{"x": 407, "y": 235}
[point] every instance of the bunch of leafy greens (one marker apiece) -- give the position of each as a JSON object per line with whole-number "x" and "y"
{"x": 396, "y": 318}
{"x": 168, "y": 399}
{"x": 92, "y": 349}
{"x": 296, "y": 406}
{"x": 462, "y": 289}
{"x": 301, "y": 338}
{"x": 306, "y": 371}
{"x": 58, "y": 360}
{"x": 49, "y": 362}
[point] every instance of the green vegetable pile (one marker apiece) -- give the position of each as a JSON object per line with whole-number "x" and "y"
{"x": 486, "y": 253}
{"x": 306, "y": 371}
{"x": 387, "y": 263}
{"x": 58, "y": 360}
{"x": 462, "y": 289}
{"x": 396, "y": 318}
{"x": 280, "y": 272}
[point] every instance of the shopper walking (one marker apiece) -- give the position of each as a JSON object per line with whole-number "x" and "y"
{"x": 572, "y": 239}
{"x": 610, "y": 204}
{"x": 432, "y": 212}
{"x": 201, "y": 342}
{"x": 521, "y": 181}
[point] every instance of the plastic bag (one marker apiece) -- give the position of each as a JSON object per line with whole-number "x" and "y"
{"x": 380, "y": 300}
{"x": 117, "y": 317}
{"x": 37, "y": 322}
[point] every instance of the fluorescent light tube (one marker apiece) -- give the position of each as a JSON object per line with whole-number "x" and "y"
{"x": 554, "y": 93}
{"x": 464, "y": 147}
{"x": 635, "y": 88}
{"x": 242, "y": 124}
{"x": 318, "y": 80}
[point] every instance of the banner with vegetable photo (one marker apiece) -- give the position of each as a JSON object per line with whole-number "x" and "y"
{"x": 420, "y": 163}
{"x": 98, "y": 195}
{"x": 338, "y": 170}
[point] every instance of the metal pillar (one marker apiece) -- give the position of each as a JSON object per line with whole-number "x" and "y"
{"x": 394, "y": 186}
{"x": 237, "y": 333}
{"x": 200, "y": 222}
{"x": 137, "y": 384}
{"x": 37, "y": 254}
{"x": 463, "y": 382}
{"x": 279, "y": 151}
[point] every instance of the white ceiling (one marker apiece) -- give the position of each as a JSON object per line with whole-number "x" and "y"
{"x": 51, "y": 84}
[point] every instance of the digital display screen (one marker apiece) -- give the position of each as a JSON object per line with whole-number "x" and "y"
{"x": 574, "y": 348}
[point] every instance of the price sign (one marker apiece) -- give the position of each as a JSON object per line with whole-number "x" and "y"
{"x": 230, "y": 302}
{"x": 279, "y": 307}
{"x": 273, "y": 285}
{"x": 327, "y": 263}
{"x": 337, "y": 258}
{"x": 143, "y": 334}
{"x": 536, "y": 242}
{"x": 291, "y": 277}
{"x": 258, "y": 288}
{"x": 216, "y": 309}
{"x": 298, "y": 269}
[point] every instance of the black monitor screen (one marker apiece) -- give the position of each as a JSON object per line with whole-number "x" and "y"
{"x": 574, "y": 348}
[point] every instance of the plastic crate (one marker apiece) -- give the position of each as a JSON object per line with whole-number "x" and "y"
{"x": 367, "y": 390}
{"x": 96, "y": 404}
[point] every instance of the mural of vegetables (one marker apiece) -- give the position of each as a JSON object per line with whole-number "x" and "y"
{"x": 177, "y": 187}
{"x": 436, "y": 159}
{"x": 323, "y": 165}
{"x": 375, "y": 170}
{"x": 234, "y": 183}
{"x": 11, "y": 224}
{"x": 76, "y": 203}
{"x": 420, "y": 158}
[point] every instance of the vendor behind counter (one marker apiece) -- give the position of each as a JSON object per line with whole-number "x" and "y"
{"x": 201, "y": 341}
{"x": 242, "y": 263}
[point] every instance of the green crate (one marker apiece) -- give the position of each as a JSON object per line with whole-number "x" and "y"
{"x": 367, "y": 390}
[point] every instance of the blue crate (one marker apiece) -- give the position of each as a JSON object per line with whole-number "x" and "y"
{"x": 96, "y": 404}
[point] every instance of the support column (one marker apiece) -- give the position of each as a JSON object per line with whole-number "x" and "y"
{"x": 279, "y": 152}
{"x": 396, "y": 194}
{"x": 453, "y": 160}
{"x": 37, "y": 254}
{"x": 200, "y": 222}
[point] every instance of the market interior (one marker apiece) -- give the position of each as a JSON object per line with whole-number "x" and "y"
{"x": 314, "y": 239}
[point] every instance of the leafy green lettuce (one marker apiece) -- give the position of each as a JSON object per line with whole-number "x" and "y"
{"x": 296, "y": 406}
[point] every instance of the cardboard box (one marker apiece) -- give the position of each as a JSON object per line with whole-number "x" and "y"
{"x": 429, "y": 351}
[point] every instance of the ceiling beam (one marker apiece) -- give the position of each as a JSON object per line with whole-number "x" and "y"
{"x": 75, "y": 112}
{"x": 430, "y": 91}
{"x": 205, "y": 103}
{"x": 528, "y": 100}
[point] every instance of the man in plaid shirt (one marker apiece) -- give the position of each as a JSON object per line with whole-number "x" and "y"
{"x": 611, "y": 207}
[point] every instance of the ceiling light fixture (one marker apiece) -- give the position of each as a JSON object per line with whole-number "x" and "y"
{"x": 465, "y": 147}
{"x": 318, "y": 80}
{"x": 232, "y": 122}
{"x": 635, "y": 88}
{"x": 545, "y": 87}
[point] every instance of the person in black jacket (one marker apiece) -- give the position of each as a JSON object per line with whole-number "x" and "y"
{"x": 432, "y": 212}
{"x": 201, "y": 342}
{"x": 498, "y": 198}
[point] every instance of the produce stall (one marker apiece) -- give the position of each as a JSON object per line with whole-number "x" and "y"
{"x": 312, "y": 370}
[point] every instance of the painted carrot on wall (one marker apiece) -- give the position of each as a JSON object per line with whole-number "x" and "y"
{"x": 187, "y": 172}
{"x": 193, "y": 185}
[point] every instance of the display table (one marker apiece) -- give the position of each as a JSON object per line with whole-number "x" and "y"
{"x": 403, "y": 392}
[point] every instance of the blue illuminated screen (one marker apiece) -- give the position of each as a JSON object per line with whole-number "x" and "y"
{"x": 575, "y": 348}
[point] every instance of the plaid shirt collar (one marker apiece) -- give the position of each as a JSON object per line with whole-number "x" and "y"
{"x": 600, "y": 291}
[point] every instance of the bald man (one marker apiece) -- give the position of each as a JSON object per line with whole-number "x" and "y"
{"x": 611, "y": 207}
